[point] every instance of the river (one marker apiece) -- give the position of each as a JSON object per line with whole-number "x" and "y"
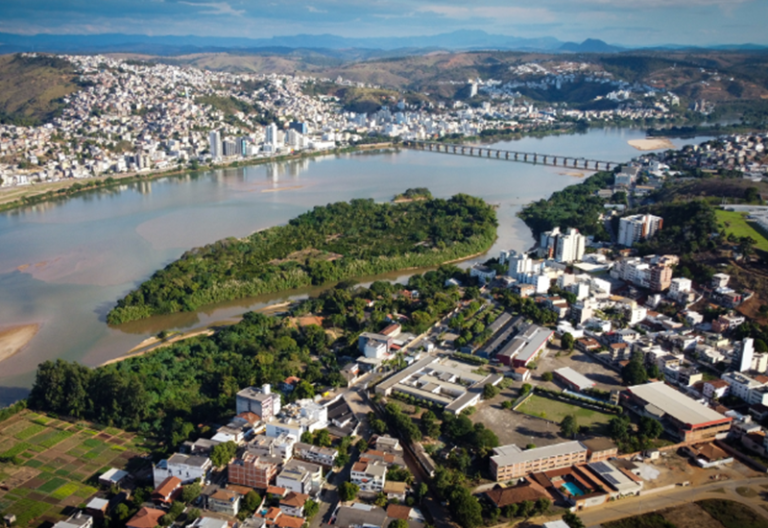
{"x": 64, "y": 264}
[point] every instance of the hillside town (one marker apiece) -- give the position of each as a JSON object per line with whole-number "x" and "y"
{"x": 132, "y": 117}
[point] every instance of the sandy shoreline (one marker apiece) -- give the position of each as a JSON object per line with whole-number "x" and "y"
{"x": 13, "y": 340}
{"x": 651, "y": 144}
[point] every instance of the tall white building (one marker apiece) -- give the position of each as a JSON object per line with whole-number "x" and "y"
{"x": 519, "y": 264}
{"x": 638, "y": 227}
{"x": 746, "y": 354}
{"x": 680, "y": 286}
{"x": 214, "y": 140}
{"x": 272, "y": 135}
{"x": 563, "y": 247}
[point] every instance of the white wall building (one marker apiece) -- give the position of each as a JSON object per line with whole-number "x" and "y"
{"x": 562, "y": 247}
{"x": 186, "y": 468}
{"x": 638, "y": 227}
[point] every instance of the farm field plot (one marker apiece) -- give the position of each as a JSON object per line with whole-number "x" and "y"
{"x": 555, "y": 411}
{"x": 48, "y": 465}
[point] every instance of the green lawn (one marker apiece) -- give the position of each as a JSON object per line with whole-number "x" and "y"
{"x": 555, "y": 411}
{"x": 732, "y": 514}
{"x": 740, "y": 227}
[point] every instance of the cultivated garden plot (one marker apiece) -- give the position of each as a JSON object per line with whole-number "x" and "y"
{"x": 48, "y": 465}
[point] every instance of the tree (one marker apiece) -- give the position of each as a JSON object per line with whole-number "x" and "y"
{"x": 547, "y": 376}
{"x": 192, "y": 515}
{"x": 251, "y": 501}
{"x": 525, "y": 509}
{"x": 429, "y": 424}
{"x": 398, "y": 523}
{"x": 221, "y": 454}
{"x": 618, "y": 428}
{"x": 421, "y": 491}
{"x": 490, "y": 391}
{"x": 122, "y": 512}
{"x": 348, "y": 491}
{"x": 650, "y": 428}
{"x": 506, "y": 404}
{"x": 572, "y": 520}
{"x": 380, "y": 500}
{"x": 634, "y": 373}
{"x": 379, "y": 426}
{"x": 569, "y": 427}
{"x": 362, "y": 445}
{"x": 525, "y": 389}
{"x": 310, "y": 509}
{"x": 307, "y": 437}
{"x": 190, "y": 492}
{"x": 322, "y": 438}
{"x": 465, "y": 507}
{"x": 304, "y": 390}
{"x": 342, "y": 459}
{"x": 567, "y": 341}
{"x": 542, "y": 505}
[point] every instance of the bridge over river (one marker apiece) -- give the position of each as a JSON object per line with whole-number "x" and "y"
{"x": 511, "y": 155}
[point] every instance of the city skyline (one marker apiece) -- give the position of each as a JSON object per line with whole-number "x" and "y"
{"x": 653, "y": 23}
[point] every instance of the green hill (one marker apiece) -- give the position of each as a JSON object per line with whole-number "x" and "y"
{"x": 31, "y": 88}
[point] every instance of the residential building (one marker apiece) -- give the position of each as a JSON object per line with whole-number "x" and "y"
{"x": 740, "y": 384}
{"x": 167, "y": 491}
{"x": 370, "y": 476}
{"x": 145, "y": 518}
{"x": 279, "y": 446}
{"x": 373, "y": 345}
{"x": 510, "y": 462}
{"x": 395, "y": 490}
{"x": 519, "y": 264}
{"x": 600, "y": 449}
{"x": 78, "y": 520}
{"x": 325, "y": 456}
{"x": 572, "y": 379}
{"x": 484, "y": 274}
{"x": 188, "y": 468}
{"x": 679, "y": 287}
{"x": 742, "y": 360}
{"x": 293, "y": 504}
{"x": 263, "y": 402}
{"x": 252, "y": 471}
{"x": 526, "y": 490}
{"x": 224, "y": 501}
{"x": 715, "y": 389}
{"x": 298, "y": 418}
{"x": 301, "y": 477}
{"x": 214, "y": 144}
{"x": 562, "y": 247}
{"x": 635, "y": 228}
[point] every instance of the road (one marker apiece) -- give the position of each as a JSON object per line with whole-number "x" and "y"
{"x": 629, "y": 507}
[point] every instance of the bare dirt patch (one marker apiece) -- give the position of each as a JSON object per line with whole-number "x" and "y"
{"x": 309, "y": 253}
{"x": 690, "y": 516}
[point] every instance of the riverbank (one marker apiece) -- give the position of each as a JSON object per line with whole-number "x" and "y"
{"x": 13, "y": 340}
{"x": 645, "y": 145}
{"x": 20, "y": 196}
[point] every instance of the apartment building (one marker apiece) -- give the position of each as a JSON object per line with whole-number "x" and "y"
{"x": 252, "y": 471}
{"x": 510, "y": 462}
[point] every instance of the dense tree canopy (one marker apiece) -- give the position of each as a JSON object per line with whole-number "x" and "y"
{"x": 330, "y": 243}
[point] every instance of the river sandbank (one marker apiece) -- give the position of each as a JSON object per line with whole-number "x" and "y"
{"x": 651, "y": 144}
{"x": 12, "y": 340}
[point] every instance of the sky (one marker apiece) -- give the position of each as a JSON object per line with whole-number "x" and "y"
{"x": 624, "y": 22}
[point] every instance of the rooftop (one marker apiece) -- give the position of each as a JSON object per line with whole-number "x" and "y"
{"x": 511, "y": 454}
{"x": 675, "y": 404}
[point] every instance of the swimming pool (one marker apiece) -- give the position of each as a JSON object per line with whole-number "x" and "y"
{"x": 574, "y": 489}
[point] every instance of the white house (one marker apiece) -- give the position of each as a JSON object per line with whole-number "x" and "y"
{"x": 370, "y": 476}
{"x": 186, "y": 468}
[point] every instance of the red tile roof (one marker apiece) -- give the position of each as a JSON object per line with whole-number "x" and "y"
{"x": 167, "y": 487}
{"x": 145, "y": 518}
{"x": 398, "y": 511}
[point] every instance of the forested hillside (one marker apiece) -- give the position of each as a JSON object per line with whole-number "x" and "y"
{"x": 330, "y": 243}
{"x": 32, "y": 88}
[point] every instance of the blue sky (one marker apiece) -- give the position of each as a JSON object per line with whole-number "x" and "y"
{"x": 630, "y": 22}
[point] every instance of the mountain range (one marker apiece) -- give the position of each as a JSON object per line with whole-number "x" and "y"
{"x": 464, "y": 40}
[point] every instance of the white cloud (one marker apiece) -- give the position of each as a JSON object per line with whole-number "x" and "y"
{"x": 216, "y": 8}
{"x": 509, "y": 12}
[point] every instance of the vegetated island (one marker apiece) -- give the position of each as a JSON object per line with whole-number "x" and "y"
{"x": 418, "y": 193}
{"x": 331, "y": 243}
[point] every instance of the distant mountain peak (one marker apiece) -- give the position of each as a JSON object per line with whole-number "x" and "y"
{"x": 590, "y": 45}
